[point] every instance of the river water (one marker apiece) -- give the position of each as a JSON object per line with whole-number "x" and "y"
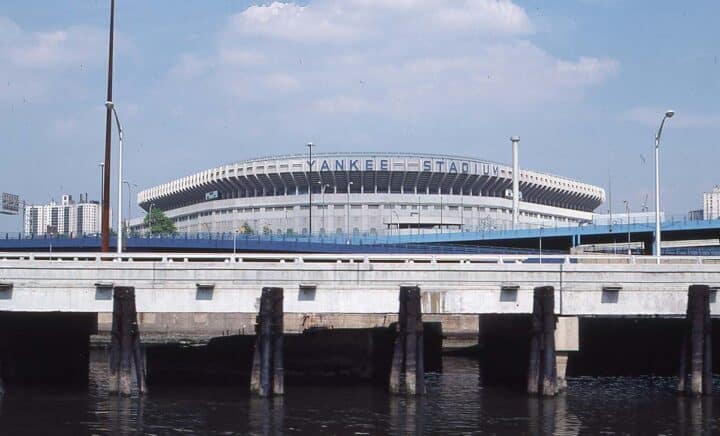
{"x": 454, "y": 404}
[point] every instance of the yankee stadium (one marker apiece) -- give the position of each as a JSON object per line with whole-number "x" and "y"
{"x": 367, "y": 193}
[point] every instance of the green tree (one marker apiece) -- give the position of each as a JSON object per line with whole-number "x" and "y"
{"x": 266, "y": 230}
{"x": 245, "y": 229}
{"x": 159, "y": 223}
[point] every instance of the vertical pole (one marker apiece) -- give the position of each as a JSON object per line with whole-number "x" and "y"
{"x": 658, "y": 238}
{"x": 310, "y": 146}
{"x": 115, "y": 345}
{"x": 682, "y": 372}
{"x": 119, "y": 192}
{"x": 697, "y": 335}
{"x": 398, "y": 360}
{"x": 411, "y": 341}
{"x": 278, "y": 328}
{"x": 125, "y": 344}
{"x": 707, "y": 352}
{"x": 265, "y": 342}
{"x": 516, "y": 181}
{"x": 534, "y": 364}
{"x": 267, "y": 376}
{"x": 105, "y": 221}
{"x": 549, "y": 377}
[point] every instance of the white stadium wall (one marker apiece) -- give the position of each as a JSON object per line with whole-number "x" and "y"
{"x": 389, "y": 193}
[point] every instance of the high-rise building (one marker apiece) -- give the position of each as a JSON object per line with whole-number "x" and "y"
{"x": 711, "y": 204}
{"x": 65, "y": 218}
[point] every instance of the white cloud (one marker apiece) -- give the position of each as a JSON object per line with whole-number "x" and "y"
{"x": 394, "y": 57}
{"x": 32, "y": 63}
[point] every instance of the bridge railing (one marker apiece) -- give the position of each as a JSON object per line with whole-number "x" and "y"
{"x": 293, "y": 258}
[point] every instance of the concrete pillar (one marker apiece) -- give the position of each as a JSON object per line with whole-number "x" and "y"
{"x": 125, "y": 348}
{"x": 696, "y": 351}
{"x": 267, "y": 376}
{"x": 561, "y": 359}
{"x": 407, "y": 373}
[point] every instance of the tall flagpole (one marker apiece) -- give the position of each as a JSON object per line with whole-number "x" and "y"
{"x": 105, "y": 223}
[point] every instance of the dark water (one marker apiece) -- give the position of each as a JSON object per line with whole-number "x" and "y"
{"x": 454, "y": 405}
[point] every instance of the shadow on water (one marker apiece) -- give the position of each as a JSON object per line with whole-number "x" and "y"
{"x": 455, "y": 404}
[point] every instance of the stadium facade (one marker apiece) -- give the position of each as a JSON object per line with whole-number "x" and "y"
{"x": 367, "y": 193}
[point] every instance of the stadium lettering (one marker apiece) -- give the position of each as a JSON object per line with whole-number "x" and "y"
{"x": 427, "y": 165}
{"x": 384, "y": 165}
{"x": 354, "y": 165}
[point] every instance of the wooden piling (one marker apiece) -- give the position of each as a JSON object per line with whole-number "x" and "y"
{"x": 407, "y": 372}
{"x": 125, "y": 346}
{"x": 267, "y": 376}
{"x": 542, "y": 371}
{"x": 549, "y": 382}
{"x": 535, "y": 339}
{"x": 697, "y": 344}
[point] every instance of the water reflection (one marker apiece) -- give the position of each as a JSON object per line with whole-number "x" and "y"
{"x": 265, "y": 416}
{"x": 455, "y": 404}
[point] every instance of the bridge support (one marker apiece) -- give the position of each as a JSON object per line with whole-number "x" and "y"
{"x": 697, "y": 344}
{"x": 125, "y": 349}
{"x": 407, "y": 374}
{"x": 542, "y": 371}
{"x": 267, "y": 377}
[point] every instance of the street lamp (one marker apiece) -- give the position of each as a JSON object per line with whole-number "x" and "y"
{"x": 129, "y": 201}
{"x": 627, "y": 211}
{"x": 111, "y": 106}
{"x": 658, "y": 237}
{"x": 324, "y": 205}
{"x": 310, "y": 146}
{"x": 102, "y": 181}
{"x": 348, "y": 211}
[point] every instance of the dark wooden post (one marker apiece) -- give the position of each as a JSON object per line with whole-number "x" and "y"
{"x": 408, "y": 365}
{"x": 542, "y": 371}
{"x": 267, "y": 377}
{"x": 697, "y": 344}
{"x": 125, "y": 347}
{"x": 535, "y": 339}
{"x": 549, "y": 360}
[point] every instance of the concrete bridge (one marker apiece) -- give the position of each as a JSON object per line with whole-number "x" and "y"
{"x": 219, "y": 294}
{"x": 354, "y": 284}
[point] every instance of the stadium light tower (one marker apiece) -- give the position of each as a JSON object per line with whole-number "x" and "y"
{"x": 111, "y": 106}
{"x": 658, "y": 238}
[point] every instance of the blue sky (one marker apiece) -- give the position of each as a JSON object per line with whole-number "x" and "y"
{"x": 198, "y": 84}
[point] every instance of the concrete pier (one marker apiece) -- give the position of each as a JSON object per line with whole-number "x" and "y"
{"x": 267, "y": 377}
{"x": 407, "y": 374}
{"x": 125, "y": 349}
{"x": 696, "y": 349}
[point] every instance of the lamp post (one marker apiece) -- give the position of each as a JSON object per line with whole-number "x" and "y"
{"x": 310, "y": 146}
{"x": 111, "y": 107}
{"x": 516, "y": 181}
{"x": 627, "y": 211}
{"x": 324, "y": 205}
{"x": 105, "y": 216}
{"x": 128, "y": 184}
{"x": 658, "y": 236}
{"x": 150, "y": 218}
{"x": 102, "y": 182}
{"x": 348, "y": 212}
{"x": 394, "y": 212}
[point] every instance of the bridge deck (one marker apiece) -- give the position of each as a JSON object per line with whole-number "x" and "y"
{"x": 450, "y": 284}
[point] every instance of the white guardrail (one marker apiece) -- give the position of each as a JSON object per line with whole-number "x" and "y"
{"x": 357, "y": 258}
